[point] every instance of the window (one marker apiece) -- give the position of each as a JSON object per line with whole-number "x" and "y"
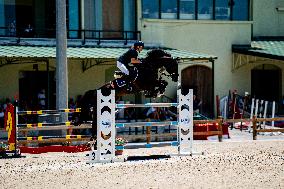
{"x": 205, "y": 9}
{"x": 168, "y": 9}
{"x": 109, "y": 19}
{"x": 187, "y": 9}
{"x": 150, "y": 8}
{"x": 196, "y": 9}
{"x": 7, "y": 18}
{"x": 73, "y": 18}
{"x": 222, "y": 10}
{"x": 240, "y": 10}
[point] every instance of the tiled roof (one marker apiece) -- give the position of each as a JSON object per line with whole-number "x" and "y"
{"x": 90, "y": 52}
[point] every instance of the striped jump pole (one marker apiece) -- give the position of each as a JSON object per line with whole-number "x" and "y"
{"x": 146, "y": 105}
{"x": 106, "y": 125}
{"x": 147, "y": 124}
{"x": 39, "y": 112}
{"x": 48, "y": 137}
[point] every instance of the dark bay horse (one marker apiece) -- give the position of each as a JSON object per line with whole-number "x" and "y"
{"x": 145, "y": 77}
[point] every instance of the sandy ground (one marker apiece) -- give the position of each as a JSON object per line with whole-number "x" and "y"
{"x": 238, "y": 162}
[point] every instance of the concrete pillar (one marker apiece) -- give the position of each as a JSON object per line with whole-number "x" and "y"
{"x": 61, "y": 58}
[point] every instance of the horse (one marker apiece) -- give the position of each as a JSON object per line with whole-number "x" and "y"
{"x": 147, "y": 77}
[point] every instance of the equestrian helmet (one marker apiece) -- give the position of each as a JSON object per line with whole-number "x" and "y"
{"x": 138, "y": 43}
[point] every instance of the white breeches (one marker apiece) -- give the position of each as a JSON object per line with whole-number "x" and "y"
{"x": 122, "y": 68}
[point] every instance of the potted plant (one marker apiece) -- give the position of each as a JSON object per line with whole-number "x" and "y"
{"x": 3, "y": 148}
{"x": 119, "y": 143}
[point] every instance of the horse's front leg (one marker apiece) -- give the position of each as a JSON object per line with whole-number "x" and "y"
{"x": 161, "y": 87}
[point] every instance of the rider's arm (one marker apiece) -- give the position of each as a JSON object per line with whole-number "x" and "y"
{"x": 135, "y": 61}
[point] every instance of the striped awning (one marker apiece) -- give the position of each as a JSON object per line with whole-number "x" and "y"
{"x": 258, "y": 51}
{"x": 266, "y": 49}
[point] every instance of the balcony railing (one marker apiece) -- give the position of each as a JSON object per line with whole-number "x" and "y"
{"x": 84, "y": 35}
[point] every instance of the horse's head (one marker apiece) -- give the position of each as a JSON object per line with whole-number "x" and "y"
{"x": 159, "y": 58}
{"x": 171, "y": 65}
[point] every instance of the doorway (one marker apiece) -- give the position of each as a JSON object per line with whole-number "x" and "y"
{"x": 31, "y": 83}
{"x": 199, "y": 78}
{"x": 266, "y": 82}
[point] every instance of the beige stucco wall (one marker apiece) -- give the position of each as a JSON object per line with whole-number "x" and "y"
{"x": 9, "y": 81}
{"x": 78, "y": 81}
{"x": 207, "y": 37}
{"x": 267, "y": 20}
{"x": 10, "y": 74}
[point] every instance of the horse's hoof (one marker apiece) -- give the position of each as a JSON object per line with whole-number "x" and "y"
{"x": 160, "y": 94}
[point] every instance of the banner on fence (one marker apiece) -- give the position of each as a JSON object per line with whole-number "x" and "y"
{"x": 9, "y": 124}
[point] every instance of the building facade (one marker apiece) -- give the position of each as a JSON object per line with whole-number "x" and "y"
{"x": 211, "y": 27}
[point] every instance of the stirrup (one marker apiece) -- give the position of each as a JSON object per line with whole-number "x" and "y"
{"x": 118, "y": 74}
{"x": 129, "y": 89}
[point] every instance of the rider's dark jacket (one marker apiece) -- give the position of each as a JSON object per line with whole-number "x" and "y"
{"x": 126, "y": 57}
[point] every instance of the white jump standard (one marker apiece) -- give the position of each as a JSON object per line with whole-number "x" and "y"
{"x": 106, "y": 125}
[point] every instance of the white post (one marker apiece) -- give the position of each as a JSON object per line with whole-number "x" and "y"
{"x": 264, "y": 114}
{"x": 17, "y": 134}
{"x": 273, "y": 113}
{"x": 225, "y": 108}
{"x": 185, "y": 128}
{"x": 256, "y": 107}
{"x": 251, "y": 113}
{"x": 106, "y": 127}
{"x": 251, "y": 108}
{"x": 261, "y": 108}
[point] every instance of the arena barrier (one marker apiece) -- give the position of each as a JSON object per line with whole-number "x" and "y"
{"x": 260, "y": 109}
{"x": 106, "y": 125}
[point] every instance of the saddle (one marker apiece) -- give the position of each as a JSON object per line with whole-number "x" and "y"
{"x": 123, "y": 80}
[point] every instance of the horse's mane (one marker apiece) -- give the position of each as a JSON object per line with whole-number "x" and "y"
{"x": 156, "y": 53}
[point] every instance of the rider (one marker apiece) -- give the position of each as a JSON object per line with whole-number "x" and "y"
{"x": 131, "y": 56}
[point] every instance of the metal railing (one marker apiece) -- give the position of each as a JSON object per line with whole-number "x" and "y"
{"x": 84, "y": 35}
